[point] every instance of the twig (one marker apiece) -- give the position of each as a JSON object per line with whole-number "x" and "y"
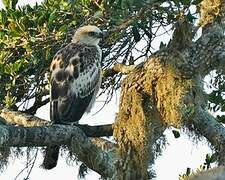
{"x": 119, "y": 68}
{"x": 27, "y": 166}
{"x": 32, "y": 165}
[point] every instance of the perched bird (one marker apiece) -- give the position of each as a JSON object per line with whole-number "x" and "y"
{"x": 75, "y": 81}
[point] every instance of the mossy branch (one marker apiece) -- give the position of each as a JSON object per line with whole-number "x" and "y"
{"x": 212, "y": 130}
{"x": 27, "y": 120}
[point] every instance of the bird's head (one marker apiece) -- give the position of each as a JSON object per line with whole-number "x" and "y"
{"x": 88, "y": 35}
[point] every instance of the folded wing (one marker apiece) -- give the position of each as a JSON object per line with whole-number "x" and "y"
{"x": 75, "y": 81}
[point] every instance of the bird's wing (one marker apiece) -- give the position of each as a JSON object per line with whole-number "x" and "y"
{"x": 75, "y": 80}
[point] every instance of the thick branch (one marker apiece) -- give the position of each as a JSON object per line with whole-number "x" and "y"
{"x": 212, "y": 42}
{"x": 208, "y": 53}
{"x": 94, "y": 156}
{"x": 26, "y": 120}
{"x": 212, "y": 130}
{"x": 18, "y": 136}
{"x": 23, "y": 119}
{"x": 96, "y": 153}
{"x": 217, "y": 173}
{"x": 60, "y": 134}
{"x": 97, "y": 131}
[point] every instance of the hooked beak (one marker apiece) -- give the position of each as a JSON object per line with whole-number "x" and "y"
{"x": 100, "y": 35}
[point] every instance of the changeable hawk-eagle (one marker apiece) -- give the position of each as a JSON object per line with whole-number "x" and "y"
{"x": 75, "y": 81}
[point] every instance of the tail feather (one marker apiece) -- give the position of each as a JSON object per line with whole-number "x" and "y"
{"x": 51, "y": 157}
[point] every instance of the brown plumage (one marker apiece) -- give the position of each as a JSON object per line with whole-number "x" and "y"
{"x": 75, "y": 81}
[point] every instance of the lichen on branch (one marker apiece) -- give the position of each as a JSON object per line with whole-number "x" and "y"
{"x": 211, "y": 11}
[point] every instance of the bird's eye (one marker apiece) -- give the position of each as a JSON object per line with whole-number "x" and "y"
{"x": 91, "y": 33}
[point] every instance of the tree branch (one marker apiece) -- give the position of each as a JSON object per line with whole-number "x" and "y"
{"x": 212, "y": 130}
{"x": 26, "y": 120}
{"x": 119, "y": 68}
{"x": 37, "y": 104}
{"x": 22, "y": 119}
{"x": 18, "y": 136}
{"x": 211, "y": 12}
{"x": 141, "y": 14}
{"x": 98, "y": 154}
{"x": 217, "y": 173}
{"x": 208, "y": 53}
{"x": 93, "y": 156}
{"x": 212, "y": 42}
{"x": 84, "y": 148}
{"x": 97, "y": 131}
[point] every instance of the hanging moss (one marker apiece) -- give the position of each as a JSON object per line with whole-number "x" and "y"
{"x": 211, "y": 10}
{"x": 152, "y": 98}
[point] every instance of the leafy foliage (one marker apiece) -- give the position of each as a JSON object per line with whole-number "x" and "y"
{"x": 29, "y": 37}
{"x": 10, "y": 4}
{"x": 216, "y": 96}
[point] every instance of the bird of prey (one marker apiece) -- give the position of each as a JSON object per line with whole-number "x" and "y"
{"x": 75, "y": 81}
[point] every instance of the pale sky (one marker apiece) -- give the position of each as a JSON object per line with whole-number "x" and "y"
{"x": 179, "y": 154}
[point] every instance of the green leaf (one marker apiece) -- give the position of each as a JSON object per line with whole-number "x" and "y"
{"x": 185, "y": 2}
{"x": 208, "y": 159}
{"x": 196, "y": 2}
{"x": 221, "y": 119}
{"x": 42, "y": 19}
{"x": 6, "y": 3}
{"x": 32, "y": 39}
{"x": 216, "y": 108}
{"x": 215, "y": 97}
{"x": 63, "y": 28}
{"x": 176, "y": 2}
{"x": 214, "y": 157}
{"x": 18, "y": 64}
{"x": 188, "y": 171}
{"x": 136, "y": 34}
{"x": 9, "y": 100}
{"x": 223, "y": 106}
{"x": 190, "y": 17}
{"x": 14, "y": 3}
{"x": 176, "y": 133}
{"x": 10, "y": 4}
{"x": 3, "y": 17}
{"x": 120, "y": 3}
{"x": 98, "y": 14}
{"x": 7, "y": 69}
{"x": 52, "y": 17}
{"x": 162, "y": 45}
